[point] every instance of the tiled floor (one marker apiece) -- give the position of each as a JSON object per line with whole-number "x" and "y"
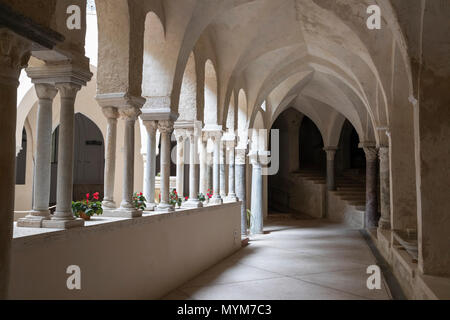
{"x": 295, "y": 259}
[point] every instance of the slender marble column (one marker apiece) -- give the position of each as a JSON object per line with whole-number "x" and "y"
{"x": 241, "y": 186}
{"x": 331, "y": 153}
{"x": 46, "y": 93}
{"x": 231, "y": 172}
{"x": 216, "y": 199}
{"x": 14, "y": 53}
{"x": 385, "y": 196}
{"x": 150, "y": 164}
{"x": 180, "y": 136}
{"x": 165, "y": 128}
{"x": 63, "y": 217}
{"x": 203, "y": 167}
{"x": 257, "y": 215}
{"x": 223, "y": 191}
{"x": 193, "y": 201}
{"x": 111, "y": 115}
{"x": 372, "y": 215}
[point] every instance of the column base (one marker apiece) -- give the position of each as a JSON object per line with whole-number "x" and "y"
{"x": 214, "y": 201}
{"x": 384, "y": 224}
{"x": 230, "y": 198}
{"x": 108, "y": 205}
{"x": 32, "y": 220}
{"x": 165, "y": 207}
{"x": 192, "y": 203}
{"x": 62, "y": 224}
{"x": 150, "y": 206}
{"x": 123, "y": 213}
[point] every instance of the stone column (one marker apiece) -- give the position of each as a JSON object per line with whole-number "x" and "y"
{"x": 223, "y": 191}
{"x": 63, "y": 217}
{"x": 241, "y": 185}
{"x": 331, "y": 153}
{"x": 14, "y": 55}
{"x": 372, "y": 215}
{"x": 193, "y": 201}
{"x": 216, "y": 199}
{"x": 150, "y": 164}
{"x": 231, "y": 172}
{"x": 203, "y": 167}
{"x": 165, "y": 128}
{"x": 257, "y": 215}
{"x": 180, "y": 136}
{"x": 111, "y": 115}
{"x": 46, "y": 93}
{"x": 127, "y": 208}
{"x": 385, "y": 195}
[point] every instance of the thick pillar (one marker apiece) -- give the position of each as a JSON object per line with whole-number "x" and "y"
{"x": 241, "y": 185}
{"x": 216, "y": 199}
{"x": 150, "y": 165}
{"x": 331, "y": 153}
{"x": 46, "y": 93}
{"x": 231, "y": 172}
{"x": 193, "y": 201}
{"x": 165, "y": 128}
{"x": 63, "y": 217}
{"x": 15, "y": 52}
{"x": 257, "y": 215}
{"x": 111, "y": 115}
{"x": 180, "y": 135}
{"x": 372, "y": 215}
{"x": 385, "y": 196}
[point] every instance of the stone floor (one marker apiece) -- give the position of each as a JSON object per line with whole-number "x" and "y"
{"x": 294, "y": 260}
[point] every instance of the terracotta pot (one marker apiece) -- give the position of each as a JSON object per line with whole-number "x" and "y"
{"x": 84, "y": 216}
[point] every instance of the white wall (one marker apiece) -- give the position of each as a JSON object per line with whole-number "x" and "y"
{"x": 144, "y": 258}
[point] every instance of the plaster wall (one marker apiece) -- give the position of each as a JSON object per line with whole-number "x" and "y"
{"x": 143, "y": 258}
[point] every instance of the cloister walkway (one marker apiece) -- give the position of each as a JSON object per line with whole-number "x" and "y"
{"x": 295, "y": 259}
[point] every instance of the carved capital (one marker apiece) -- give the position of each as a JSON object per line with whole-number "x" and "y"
{"x": 371, "y": 153}
{"x": 383, "y": 153}
{"x": 15, "y": 52}
{"x": 111, "y": 113}
{"x": 165, "y": 126}
{"x": 68, "y": 90}
{"x": 45, "y": 91}
{"x": 151, "y": 126}
{"x": 130, "y": 113}
{"x": 331, "y": 152}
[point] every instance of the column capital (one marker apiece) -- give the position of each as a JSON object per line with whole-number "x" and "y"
{"x": 383, "y": 153}
{"x": 45, "y": 91}
{"x": 371, "y": 153}
{"x": 60, "y": 74}
{"x": 331, "y": 152}
{"x": 180, "y": 134}
{"x": 111, "y": 113}
{"x": 130, "y": 114}
{"x": 15, "y": 51}
{"x": 68, "y": 90}
{"x": 241, "y": 154}
{"x": 165, "y": 126}
{"x": 151, "y": 126}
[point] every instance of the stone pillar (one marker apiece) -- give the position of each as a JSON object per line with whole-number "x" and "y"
{"x": 127, "y": 208}
{"x": 257, "y": 215}
{"x": 165, "y": 128}
{"x": 372, "y": 215}
{"x": 46, "y": 93}
{"x": 14, "y": 55}
{"x": 203, "y": 167}
{"x": 241, "y": 185}
{"x": 385, "y": 195}
{"x": 111, "y": 115}
{"x": 331, "y": 153}
{"x": 193, "y": 201}
{"x": 231, "y": 172}
{"x": 223, "y": 191}
{"x": 63, "y": 217}
{"x": 150, "y": 165}
{"x": 216, "y": 199}
{"x": 180, "y": 136}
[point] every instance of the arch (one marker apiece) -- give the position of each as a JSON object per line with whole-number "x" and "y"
{"x": 210, "y": 92}
{"x": 188, "y": 107}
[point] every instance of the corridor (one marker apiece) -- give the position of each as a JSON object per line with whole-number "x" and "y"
{"x": 295, "y": 259}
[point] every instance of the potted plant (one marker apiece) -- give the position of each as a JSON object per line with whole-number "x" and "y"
{"x": 139, "y": 201}
{"x": 86, "y": 208}
{"x": 249, "y": 219}
{"x": 174, "y": 199}
{"x": 201, "y": 197}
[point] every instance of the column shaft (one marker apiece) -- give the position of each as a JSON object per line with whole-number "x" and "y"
{"x": 166, "y": 129}
{"x": 231, "y": 173}
{"x": 180, "y": 162}
{"x": 241, "y": 186}
{"x": 372, "y": 215}
{"x": 385, "y": 196}
{"x": 150, "y": 165}
{"x": 193, "y": 201}
{"x": 331, "y": 154}
{"x": 203, "y": 168}
{"x": 110, "y": 158}
{"x": 128, "y": 165}
{"x": 216, "y": 199}
{"x": 257, "y": 216}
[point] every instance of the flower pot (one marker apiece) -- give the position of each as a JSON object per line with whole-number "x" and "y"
{"x": 84, "y": 216}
